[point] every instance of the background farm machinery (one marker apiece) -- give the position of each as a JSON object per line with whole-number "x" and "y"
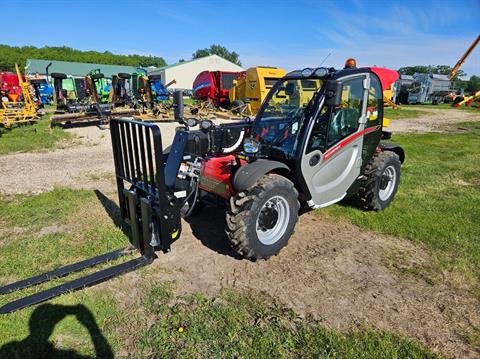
{"x": 18, "y": 112}
{"x": 240, "y": 92}
{"x": 91, "y": 98}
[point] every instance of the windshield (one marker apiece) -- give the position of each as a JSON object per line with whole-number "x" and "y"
{"x": 278, "y": 124}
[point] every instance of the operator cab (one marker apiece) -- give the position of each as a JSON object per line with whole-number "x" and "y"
{"x": 324, "y": 124}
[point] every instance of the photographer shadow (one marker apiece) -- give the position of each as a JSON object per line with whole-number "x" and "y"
{"x": 42, "y": 323}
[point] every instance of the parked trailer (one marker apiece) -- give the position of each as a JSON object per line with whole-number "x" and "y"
{"x": 429, "y": 88}
{"x": 401, "y": 89}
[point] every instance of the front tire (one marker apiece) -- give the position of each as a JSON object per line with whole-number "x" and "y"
{"x": 262, "y": 218}
{"x": 382, "y": 177}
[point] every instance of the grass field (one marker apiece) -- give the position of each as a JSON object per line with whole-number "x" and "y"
{"x": 38, "y": 137}
{"x": 438, "y": 201}
{"x": 403, "y": 112}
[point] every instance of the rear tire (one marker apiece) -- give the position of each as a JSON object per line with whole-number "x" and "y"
{"x": 382, "y": 177}
{"x": 262, "y": 218}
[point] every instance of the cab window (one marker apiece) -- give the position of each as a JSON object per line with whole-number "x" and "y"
{"x": 345, "y": 118}
{"x": 375, "y": 103}
{"x": 334, "y": 124}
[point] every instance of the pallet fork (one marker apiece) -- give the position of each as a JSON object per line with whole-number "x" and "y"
{"x": 148, "y": 205}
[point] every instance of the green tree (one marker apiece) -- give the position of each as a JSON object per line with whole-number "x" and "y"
{"x": 220, "y": 51}
{"x": 435, "y": 69}
{"x": 9, "y": 55}
{"x": 473, "y": 85}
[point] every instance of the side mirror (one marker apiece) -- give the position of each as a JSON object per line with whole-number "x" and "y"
{"x": 178, "y": 106}
{"x": 333, "y": 93}
{"x": 290, "y": 89}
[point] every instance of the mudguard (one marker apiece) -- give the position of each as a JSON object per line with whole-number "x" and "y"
{"x": 394, "y": 148}
{"x": 248, "y": 174}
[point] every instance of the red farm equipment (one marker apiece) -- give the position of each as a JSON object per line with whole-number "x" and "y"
{"x": 214, "y": 86}
{"x": 9, "y": 86}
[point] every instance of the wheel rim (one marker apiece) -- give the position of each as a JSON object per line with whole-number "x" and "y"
{"x": 387, "y": 183}
{"x": 272, "y": 221}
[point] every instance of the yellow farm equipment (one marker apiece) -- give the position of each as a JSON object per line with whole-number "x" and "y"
{"x": 249, "y": 91}
{"x": 468, "y": 100}
{"x": 387, "y": 96}
{"x": 12, "y": 113}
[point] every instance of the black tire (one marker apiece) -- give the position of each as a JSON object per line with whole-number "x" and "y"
{"x": 58, "y": 75}
{"x": 97, "y": 76}
{"x": 238, "y": 106}
{"x": 376, "y": 179}
{"x": 245, "y": 209}
{"x": 124, "y": 75}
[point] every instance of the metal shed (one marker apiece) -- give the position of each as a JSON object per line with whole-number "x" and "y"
{"x": 75, "y": 69}
{"x": 184, "y": 73}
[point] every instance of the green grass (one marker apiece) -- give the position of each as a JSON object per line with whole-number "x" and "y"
{"x": 403, "y": 112}
{"x": 38, "y": 211}
{"x": 25, "y": 250}
{"x": 230, "y": 325}
{"x": 415, "y": 111}
{"x": 252, "y": 325}
{"x": 75, "y": 320}
{"x": 32, "y": 138}
{"x": 438, "y": 200}
{"x": 444, "y": 106}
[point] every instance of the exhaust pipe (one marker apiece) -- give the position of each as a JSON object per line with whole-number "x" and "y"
{"x": 178, "y": 105}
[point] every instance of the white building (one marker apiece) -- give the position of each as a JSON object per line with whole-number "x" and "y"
{"x": 184, "y": 73}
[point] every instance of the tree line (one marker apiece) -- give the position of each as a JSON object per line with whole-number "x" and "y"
{"x": 10, "y": 55}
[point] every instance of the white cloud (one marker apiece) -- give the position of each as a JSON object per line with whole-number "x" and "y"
{"x": 401, "y": 37}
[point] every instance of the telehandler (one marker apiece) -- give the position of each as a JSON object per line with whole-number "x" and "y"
{"x": 301, "y": 150}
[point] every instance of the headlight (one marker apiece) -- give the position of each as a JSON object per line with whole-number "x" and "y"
{"x": 307, "y": 72}
{"x": 321, "y": 72}
{"x": 191, "y": 122}
{"x": 206, "y": 124}
{"x": 250, "y": 145}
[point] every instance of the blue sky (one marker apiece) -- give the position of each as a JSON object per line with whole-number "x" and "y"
{"x": 289, "y": 34}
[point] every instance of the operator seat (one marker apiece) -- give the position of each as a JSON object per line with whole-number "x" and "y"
{"x": 344, "y": 123}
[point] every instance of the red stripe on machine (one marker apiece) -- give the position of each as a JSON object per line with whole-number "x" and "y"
{"x": 346, "y": 141}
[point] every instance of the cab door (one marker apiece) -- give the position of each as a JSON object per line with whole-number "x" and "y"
{"x": 332, "y": 155}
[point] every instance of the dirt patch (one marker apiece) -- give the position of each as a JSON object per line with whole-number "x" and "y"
{"x": 55, "y": 229}
{"x": 6, "y": 233}
{"x": 440, "y": 120}
{"x": 340, "y": 274}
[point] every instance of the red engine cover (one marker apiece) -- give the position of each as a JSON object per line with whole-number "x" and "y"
{"x": 215, "y": 175}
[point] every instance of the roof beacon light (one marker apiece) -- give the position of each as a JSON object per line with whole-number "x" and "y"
{"x": 350, "y": 63}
